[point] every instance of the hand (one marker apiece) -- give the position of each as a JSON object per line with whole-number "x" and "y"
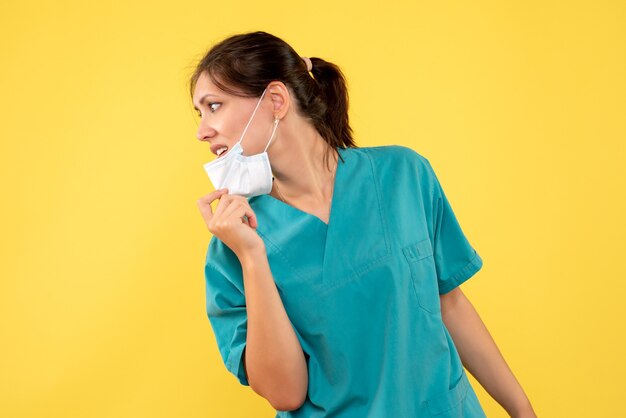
{"x": 228, "y": 222}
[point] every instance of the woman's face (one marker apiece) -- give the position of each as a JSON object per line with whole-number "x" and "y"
{"x": 223, "y": 118}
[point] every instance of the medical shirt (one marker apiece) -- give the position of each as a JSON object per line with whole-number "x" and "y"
{"x": 362, "y": 292}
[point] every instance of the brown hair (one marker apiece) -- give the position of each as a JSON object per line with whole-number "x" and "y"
{"x": 244, "y": 64}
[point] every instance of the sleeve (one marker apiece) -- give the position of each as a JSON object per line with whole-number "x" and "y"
{"x": 455, "y": 258}
{"x": 226, "y": 309}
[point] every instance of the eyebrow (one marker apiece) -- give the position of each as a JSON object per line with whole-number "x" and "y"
{"x": 202, "y": 99}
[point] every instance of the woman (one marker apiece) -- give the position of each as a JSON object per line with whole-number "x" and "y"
{"x": 332, "y": 276}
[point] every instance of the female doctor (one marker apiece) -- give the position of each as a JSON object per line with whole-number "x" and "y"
{"x": 333, "y": 273}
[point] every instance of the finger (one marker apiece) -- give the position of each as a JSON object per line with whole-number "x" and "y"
{"x": 234, "y": 205}
{"x": 252, "y": 219}
{"x": 210, "y": 197}
{"x": 226, "y": 201}
{"x": 204, "y": 203}
{"x": 206, "y": 200}
{"x": 239, "y": 213}
{"x": 241, "y": 210}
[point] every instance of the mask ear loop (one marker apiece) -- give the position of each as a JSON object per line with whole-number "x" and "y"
{"x": 253, "y": 113}
{"x": 276, "y": 121}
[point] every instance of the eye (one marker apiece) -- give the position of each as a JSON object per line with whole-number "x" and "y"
{"x": 211, "y": 108}
{"x": 211, "y": 104}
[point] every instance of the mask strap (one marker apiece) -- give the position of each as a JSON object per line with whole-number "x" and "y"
{"x": 253, "y": 113}
{"x": 276, "y": 121}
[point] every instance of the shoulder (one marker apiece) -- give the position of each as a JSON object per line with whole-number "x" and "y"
{"x": 401, "y": 168}
{"x": 398, "y": 160}
{"x": 393, "y": 153}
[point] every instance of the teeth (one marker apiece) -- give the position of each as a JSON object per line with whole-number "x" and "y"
{"x": 221, "y": 150}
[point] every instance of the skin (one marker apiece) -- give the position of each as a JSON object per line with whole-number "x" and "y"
{"x": 480, "y": 355}
{"x": 273, "y": 358}
{"x": 296, "y": 152}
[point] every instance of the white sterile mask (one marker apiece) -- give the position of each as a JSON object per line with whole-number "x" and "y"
{"x": 245, "y": 175}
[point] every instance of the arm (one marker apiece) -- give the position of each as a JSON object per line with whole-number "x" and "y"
{"x": 480, "y": 355}
{"x": 273, "y": 358}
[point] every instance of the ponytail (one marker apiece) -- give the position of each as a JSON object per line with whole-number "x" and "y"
{"x": 334, "y": 125}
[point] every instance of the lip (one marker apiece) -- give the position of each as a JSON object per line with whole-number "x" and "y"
{"x": 215, "y": 147}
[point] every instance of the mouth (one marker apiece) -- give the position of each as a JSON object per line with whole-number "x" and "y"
{"x": 222, "y": 151}
{"x": 219, "y": 149}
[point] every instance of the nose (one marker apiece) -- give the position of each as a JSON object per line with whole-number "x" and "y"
{"x": 205, "y": 132}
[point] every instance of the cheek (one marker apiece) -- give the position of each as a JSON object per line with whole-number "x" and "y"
{"x": 232, "y": 124}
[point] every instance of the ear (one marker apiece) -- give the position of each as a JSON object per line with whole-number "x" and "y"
{"x": 281, "y": 99}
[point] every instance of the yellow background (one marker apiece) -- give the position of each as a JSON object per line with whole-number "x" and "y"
{"x": 519, "y": 106}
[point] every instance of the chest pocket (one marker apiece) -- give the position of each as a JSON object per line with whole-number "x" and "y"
{"x": 419, "y": 257}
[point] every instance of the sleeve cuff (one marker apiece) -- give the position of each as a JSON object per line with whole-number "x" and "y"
{"x": 462, "y": 275}
{"x": 235, "y": 364}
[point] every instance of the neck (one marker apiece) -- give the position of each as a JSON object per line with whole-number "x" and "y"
{"x": 298, "y": 164}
